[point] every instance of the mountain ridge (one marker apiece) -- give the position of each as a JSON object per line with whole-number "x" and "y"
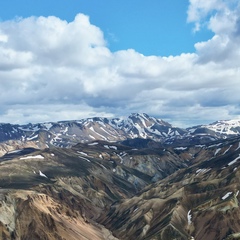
{"x": 69, "y": 133}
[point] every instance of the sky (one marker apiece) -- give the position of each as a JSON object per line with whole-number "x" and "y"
{"x": 65, "y": 60}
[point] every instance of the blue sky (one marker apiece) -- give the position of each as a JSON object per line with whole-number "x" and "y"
{"x": 175, "y": 60}
{"x": 153, "y": 27}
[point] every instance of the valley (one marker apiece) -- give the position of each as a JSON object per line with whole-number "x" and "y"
{"x": 135, "y": 183}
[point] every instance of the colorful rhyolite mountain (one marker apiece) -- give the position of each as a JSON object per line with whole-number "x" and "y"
{"x": 138, "y": 178}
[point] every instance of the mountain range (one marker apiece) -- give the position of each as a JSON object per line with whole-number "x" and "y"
{"x": 135, "y": 178}
{"x": 69, "y": 133}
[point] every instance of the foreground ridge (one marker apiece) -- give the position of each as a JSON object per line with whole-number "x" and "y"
{"x": 133, "y": 189}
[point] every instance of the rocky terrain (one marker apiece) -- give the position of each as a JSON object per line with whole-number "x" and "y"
{"x": 197, "y": 202}
{"x": 131, "y": 188}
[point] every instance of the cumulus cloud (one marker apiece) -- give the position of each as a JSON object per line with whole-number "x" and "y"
{"x": 53, "y": 70}
{"x": 222, "y": 18}
{"x": 201, "y": 12}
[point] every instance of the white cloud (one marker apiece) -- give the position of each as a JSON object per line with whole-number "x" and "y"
{"x": 3, "y": 38}
{"x": 52, "y": 70}
{"x": 222, "y": 18}
{"x": 50, "y": 112}
{"x": 200, "y": 10}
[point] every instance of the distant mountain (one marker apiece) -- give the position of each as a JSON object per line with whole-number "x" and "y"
{"x": 68, "y": 133}
{"x": 220, "y": 128}
{"x": 142, "y": 126}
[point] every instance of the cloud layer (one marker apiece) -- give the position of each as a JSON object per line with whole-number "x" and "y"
{"x": 52, "y": 70}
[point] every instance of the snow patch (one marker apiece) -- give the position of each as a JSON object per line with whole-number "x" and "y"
{"x": 15, "y": 151}
{"x": 121, "y": 159}
{"x": 92, "y": 137}
{"x": 234, "y": 161}
{"x": 92, "y": 144}
{"x": 135, "y": 210}
{"x": 141, "y": 131}
{"x": 113, "y": 147}
{"x": 226, "y": 195}
{"x": 215, "y": 145}
{"x": 189, "y": 217}
{"x": 107, "y": 132}
{"x": 30, "y": 157}
{"x": 102, "y": 166}
{"x": 180, "y": 148}
{"x": 83, "y": 153}
{"x": 42, "y": 174}
{"x": 92, "y": 129}
{"x": 238, "y": 146}
{"x": 204, "y": 170}
{"x": 85, "y": 159}
{"x": 227, "y": 150}
{"x": 31, "y": 138}
{"x": 65, "y": 130}
{"x": 200, "y": 146}
{"x": 217, "y": 151}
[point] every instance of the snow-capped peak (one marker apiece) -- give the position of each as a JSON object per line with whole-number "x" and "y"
{"x": 228, "y": 127}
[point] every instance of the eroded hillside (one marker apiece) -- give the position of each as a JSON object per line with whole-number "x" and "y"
{"x": 126, "y": 190}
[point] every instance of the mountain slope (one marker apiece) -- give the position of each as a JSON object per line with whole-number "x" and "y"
{"x": 59, "y": 193}
{"x": 200, "y": 201}
{"x": 103, "y": 190}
